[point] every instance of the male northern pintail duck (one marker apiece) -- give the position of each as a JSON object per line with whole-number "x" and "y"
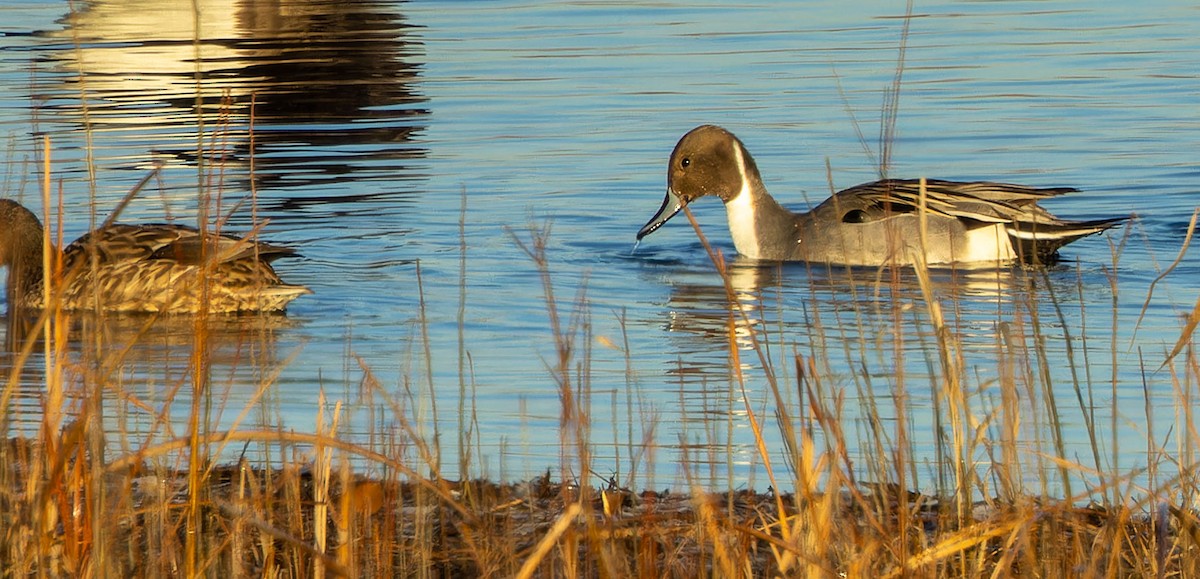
{"x": 869, "y": 224}
{"x": 144, "y": 268}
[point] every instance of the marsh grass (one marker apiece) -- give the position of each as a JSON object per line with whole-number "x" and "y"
{"x": 78, "y": 498}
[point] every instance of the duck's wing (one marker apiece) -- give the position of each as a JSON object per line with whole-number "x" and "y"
{"x": 978, "y": 201}
{"x": 185, "y": 245}
{"x": 974, "y": 204}
{"x": 121, "y": 243}
{"x": 191, "y": 250}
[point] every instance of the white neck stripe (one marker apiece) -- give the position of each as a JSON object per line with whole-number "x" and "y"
{"x": 740, "y": 211}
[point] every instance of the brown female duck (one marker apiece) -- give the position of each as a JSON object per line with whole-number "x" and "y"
{"x": 143, "y": 268}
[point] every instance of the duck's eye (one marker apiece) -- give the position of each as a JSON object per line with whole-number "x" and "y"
{"x": 855, "y": 216}
{"x": 685, "y": 162}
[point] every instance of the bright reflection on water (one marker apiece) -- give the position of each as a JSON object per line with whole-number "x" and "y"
{"x": 358, "y": 130}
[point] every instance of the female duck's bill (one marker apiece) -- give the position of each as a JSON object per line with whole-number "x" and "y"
{"x": 143, "y": 268}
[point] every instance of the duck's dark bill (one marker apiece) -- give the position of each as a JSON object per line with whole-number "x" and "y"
{"x": 671, "y": 205}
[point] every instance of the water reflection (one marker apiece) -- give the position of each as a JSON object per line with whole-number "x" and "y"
{"x": 145, "y": 367}
{"x": 860, "y": 336}
{"x": 284, "y": 84}
{"x": 840, "y": 315}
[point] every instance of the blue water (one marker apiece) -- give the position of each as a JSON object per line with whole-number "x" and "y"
{"x": 361, "y": 130}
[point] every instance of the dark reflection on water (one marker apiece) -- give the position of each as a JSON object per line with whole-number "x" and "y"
{"x": 312, "y": 91}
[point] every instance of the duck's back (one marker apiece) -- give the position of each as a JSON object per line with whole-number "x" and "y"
{"x": 964, "y": 222}
{"x": 173, "y": 268}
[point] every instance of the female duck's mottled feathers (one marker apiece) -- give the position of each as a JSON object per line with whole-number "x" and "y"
{"x": 145, "y": 268}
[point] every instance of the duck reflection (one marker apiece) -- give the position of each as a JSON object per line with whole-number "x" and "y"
{"x": 860, "y": 337}
{"x": 279, "y": 82}
{"x": 850, "y": 314}
{"x": 143, "y": 367}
